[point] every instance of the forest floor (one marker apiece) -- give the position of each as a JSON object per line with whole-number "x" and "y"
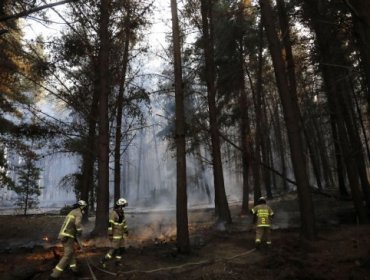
{"x": 341, "y": 251}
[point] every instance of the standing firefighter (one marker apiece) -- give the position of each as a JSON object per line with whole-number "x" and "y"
{"x": 117, "y": 231}
{"x": 70, "y": 231}
{"x": 262, "y": 216}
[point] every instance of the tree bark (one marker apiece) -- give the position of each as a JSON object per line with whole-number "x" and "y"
{"x": 140, "y": 158}
{"x": 292, "y": 120}
{"x": 118, "y": 138}
{"x": 341, "y": 171}
{"x": 361, "y": 27}
{"x": 258, "y": 139}
{"x": 339, "y": 102}
{"x": 280, "y": 146}
{"x": 183, "y": 244}
{"x": 244, "y": 133}
{"x": 221, "y": 203}
{"x": 102, "y": 196}
{"x": 89, "y": 155}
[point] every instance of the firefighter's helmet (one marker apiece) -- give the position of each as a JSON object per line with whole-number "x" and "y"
{"x": 121, "y": 202}
{"x": 262, "y": 200}
{"x": 82, "y": 204}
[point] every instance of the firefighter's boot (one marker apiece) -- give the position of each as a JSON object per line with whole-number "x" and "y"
{"x": 118, "y": 261}
{"x": 103, "y": 262}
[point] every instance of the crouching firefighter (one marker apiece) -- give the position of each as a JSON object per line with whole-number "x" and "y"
{"x": 70, "y": 231}
{"x": 117, "y": 231}
{"x": 262, "y": 216}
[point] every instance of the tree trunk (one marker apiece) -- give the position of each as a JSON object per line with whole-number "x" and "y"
{"x": 361, "y": 27}
{"x": 118, "y": 138}
{"x": 292, "y": 83}
{"x": 126, "y": 173}
{"x": 256, "y": 168}
{"x": 280, "y": 146}
{"x": 140, "y": 157}
{"x": 292, "y": 120}
{"x": 338, "y": 97}
{"x": 89, "y": 156}
{"x": 221, "y": 203}
{"x": 266, "y": 151}
{"x": 244, "y": 132}
{"x": 102, "y": 196}
{"x": 323, "y": 153}
{"x": 159, "y": 173}
{"x": 183, "y": 244}
{"x": 202, "y": 177}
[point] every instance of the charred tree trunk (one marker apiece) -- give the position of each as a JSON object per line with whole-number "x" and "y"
{"x": 102, "y": 195}
{"x": 292, "y": 83}
{"x": 89, "y": 156}
{"x": 157, "y": 157}
{"x": 202, "y": 177}
{"x": 292, "y": 120}
{"x": 126, "y": 172}
{"x": 256, "y": 169}
{"x": 341, "y": 171}
{"x": 183, "y": 244}
{"x": 322, "y": 153}
{"x": 221, "y": 203}
{"x": 245, "y": 144}
{"x": 244, "y": 132}
{"x": 337, "y": 90}
{"x": 361, "y": 26}
{"x": 280, "y": 146}
{"x": 266, "y": 151}
{"x": 118, "y": 138}
{"x": 140, "y": 157}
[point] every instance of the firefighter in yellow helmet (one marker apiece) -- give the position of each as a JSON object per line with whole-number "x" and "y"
{"x": 70, "y": 231}
{"x": 263, "y": 217}
{"x": 117, "y": 231}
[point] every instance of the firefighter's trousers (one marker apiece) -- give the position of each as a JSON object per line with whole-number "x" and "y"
{"x": 116, "y": 249}
{"x": 263, "y": 233}
{"x": 68, "y": 258}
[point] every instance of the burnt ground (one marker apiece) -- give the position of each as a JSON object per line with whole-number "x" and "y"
{"x": 341, "y": 251}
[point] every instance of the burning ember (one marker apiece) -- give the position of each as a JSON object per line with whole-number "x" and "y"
{"x": 45, "y": 238}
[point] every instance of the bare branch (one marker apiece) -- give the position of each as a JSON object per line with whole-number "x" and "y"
{"x": 34, "y": 10}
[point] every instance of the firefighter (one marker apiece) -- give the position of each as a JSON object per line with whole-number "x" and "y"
{"x": 117, "y": 231}
{"x": 262, "y": 214}
{"x": 70, "y": 231}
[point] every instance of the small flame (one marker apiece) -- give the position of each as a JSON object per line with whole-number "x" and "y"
{"x": 45, "y": 238}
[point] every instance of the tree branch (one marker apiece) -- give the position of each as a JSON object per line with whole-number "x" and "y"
{"x": 33, "y": 10}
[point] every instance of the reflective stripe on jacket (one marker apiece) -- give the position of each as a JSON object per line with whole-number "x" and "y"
{"x": 117, "y": 225}
{"x": 263, "y": 213}
{"x": 72, "y": 224}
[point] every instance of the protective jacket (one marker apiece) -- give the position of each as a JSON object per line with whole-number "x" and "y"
{"x": 72, "y": 224}
{"x": 263, "y": 213}
{"x": 117, "y": 224}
